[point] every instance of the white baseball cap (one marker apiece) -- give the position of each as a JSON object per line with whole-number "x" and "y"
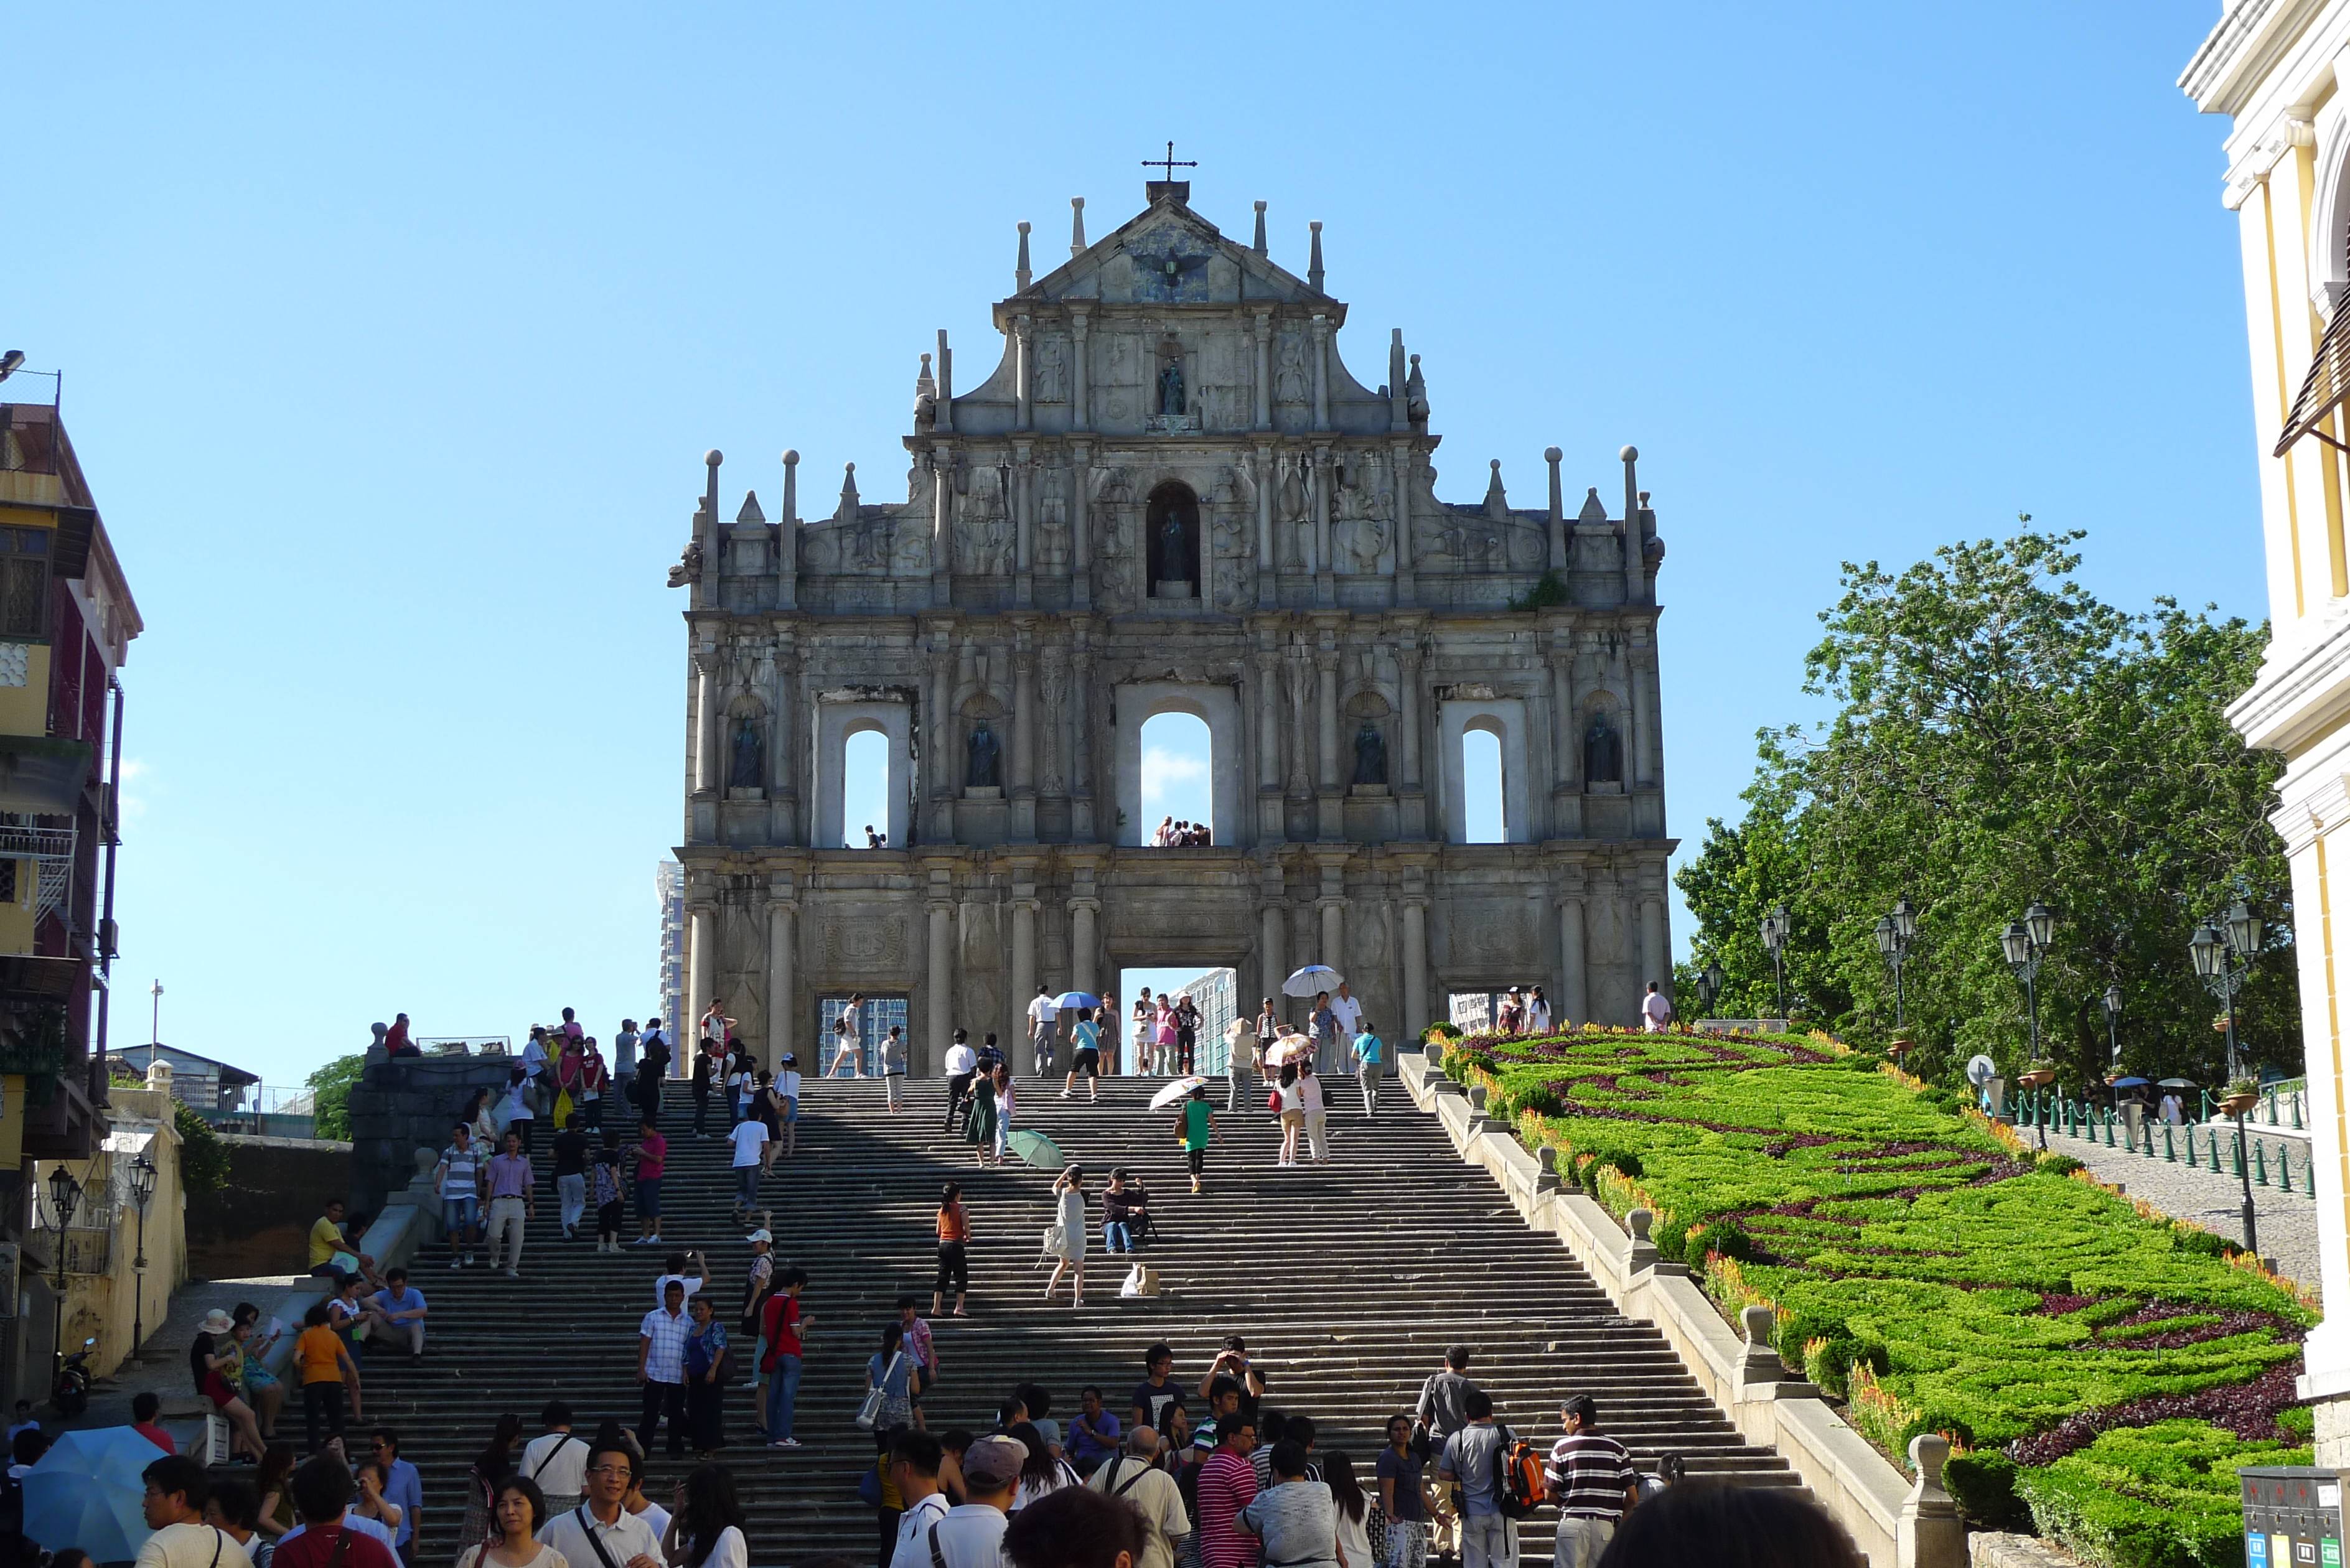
{"x": 760, "y": 1236}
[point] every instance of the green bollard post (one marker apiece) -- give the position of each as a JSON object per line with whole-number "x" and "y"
{"x": 2192, "y": 1164}
{"x": 2259, "y": 1163}
{"x": 2284, "y": 1166}
{"x": 2110, "y": 1119}
{"x": 2169, "y": 1150}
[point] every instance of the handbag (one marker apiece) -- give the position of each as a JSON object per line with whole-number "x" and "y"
{"x": 1057, "y": 1240}
{"x": 869, "y": 1415}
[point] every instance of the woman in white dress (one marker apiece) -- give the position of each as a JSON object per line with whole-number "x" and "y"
{"x": 846, "y": 1046}
{"x": 705, "y": 1523}
{"x": 1145, "y": 1035}
{"x": 1069, "y": 1195}
{"x": 519, "y": 1512}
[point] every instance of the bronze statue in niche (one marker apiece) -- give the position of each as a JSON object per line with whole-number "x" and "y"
{"x": 1171, "y": 534}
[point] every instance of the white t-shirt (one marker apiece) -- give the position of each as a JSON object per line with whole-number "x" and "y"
{"x": 969, "y": 1536}
{"x": 787, "y": 1084}
{"x": 730, "y": 1551}
{"x": 657, "y": 1517}
{"x": 1654, "y": 1006}
{"x": 533, "y": 1057}
{"x": 746, "y": 1138}
{"x": 558, "y": 1461}
{"x": 1348, "y": 1012}
{"x": 191, "y": 1546}
{"x": 1043, "y": 1009}
{"x": 913, "y": 1548}
{"x": 1538, "y": 1022}
{"x": 961, "y": 1058}
{"x": 744, "y": 1083}
{"x": 691, "y": 1282}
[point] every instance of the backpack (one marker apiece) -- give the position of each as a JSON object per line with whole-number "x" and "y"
{"x": 1519, "y": 1485}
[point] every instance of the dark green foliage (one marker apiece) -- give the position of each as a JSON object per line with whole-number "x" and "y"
{"x": 2060, "y": 1164}
{"x": 2000, "y": 736}
{"x": 1983, "y": 1485}
{"x": 1548, "y": 590}
{"x": 331, "y": 1086}
{"x": 1723, "y": 1238}
{"x": 2163, "y": 1496}
{"x": 203, "y": 1158}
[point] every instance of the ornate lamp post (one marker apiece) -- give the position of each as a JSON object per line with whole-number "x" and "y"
{"x": 142, "y": 1188}
{"x": 65, "y": 1196}
{"x": 2114, "y": 1022}
{"x": 1774, "y": 940}
{"x": 1709, "y": 985}
{"x": 2024, "y": 944}
{"x": 1894, "y": 934}
{"x": 2224, "y": 949}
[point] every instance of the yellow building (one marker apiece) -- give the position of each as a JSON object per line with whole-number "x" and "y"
{"x": 2277, "y": 68}
{"x": 67, "y": 618}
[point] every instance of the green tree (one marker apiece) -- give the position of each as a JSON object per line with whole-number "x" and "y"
{"x": 2001, "y": 735}
{"x": 330, "y": 1088}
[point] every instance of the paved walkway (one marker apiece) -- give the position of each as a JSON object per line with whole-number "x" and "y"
{"x": 163, "y": 1369}
{"x": 2213, "y": 1200}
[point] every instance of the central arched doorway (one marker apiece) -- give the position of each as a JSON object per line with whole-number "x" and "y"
{"x": 1171, "y": 541}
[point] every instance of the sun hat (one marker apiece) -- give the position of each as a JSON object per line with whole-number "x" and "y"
{"x": 216, "y": 1322}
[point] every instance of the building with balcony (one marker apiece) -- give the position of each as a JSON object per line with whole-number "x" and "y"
{"x": 67, "y": 620}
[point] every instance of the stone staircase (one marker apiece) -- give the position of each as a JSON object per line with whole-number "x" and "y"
{"x": 1347, "y": 1280}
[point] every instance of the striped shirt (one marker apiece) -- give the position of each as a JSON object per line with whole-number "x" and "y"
{"x": 1227, "y": 1485}
{"x": 1588, "y": 1476}
{"x": 458, "y": 1180}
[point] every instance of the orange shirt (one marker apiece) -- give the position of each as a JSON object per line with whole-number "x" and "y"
{"x": 318, "y": 1353}
{"x": 953, "y": 1224}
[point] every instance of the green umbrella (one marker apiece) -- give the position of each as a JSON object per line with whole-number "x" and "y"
{"x": 1035, "y": 1149}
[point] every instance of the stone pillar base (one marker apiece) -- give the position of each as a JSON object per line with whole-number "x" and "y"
{"x": 2332, "y": 1431}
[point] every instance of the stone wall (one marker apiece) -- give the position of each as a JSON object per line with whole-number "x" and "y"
{"x": 400, "y": 1107}
{"x": 258, "y": 1222}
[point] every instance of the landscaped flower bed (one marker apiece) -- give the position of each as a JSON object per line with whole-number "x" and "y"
{"x": 2100, "y": 1363}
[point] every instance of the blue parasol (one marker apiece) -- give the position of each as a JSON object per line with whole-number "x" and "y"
{"x": 86, "y": 1492}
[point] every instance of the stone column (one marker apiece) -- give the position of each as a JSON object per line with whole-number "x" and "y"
{"x": 787, "y": 537}
{"x": 1023, "y": 742}
{"x": 1024, "y": 528}
{"x": 1559, "y": 561}
{"x": 1024, "y": 369}
{"x": 1024, "y": 964}
{"x": 1326, "y": 666}
{"x": 1269, "y": 946}
{"x": 1636, "y": 762}
{"x": 783, "y": 999}
{"x": 1402, "y": 471}
{"x": 1081, "y": 524}
{"x": 1406, "y": 657}
{"x": 1325, "y": 582}
{"x": 1080, "y": 368}
{"x": 1268, "y": 719}
{"x": 1083, "y": 950}
{"x": 942, "y": 716}
{"x": 1334, "y": 934}
{"x": 1562, "y": 709}
{"x": 1268, "y": 565}
{"x": 942, "y": 521}
{"x": 1644, "y": 682}
{"x": 1056, "y": 694}
{"x": 785, "y": 776}
{"x": 701, "y": 963}
{"x": 705, "y": 719}
{"x": 1300, "y": 695}
{"x": 1655, "y": 958}
{"x": 1415, "y": 971}
{"x": 939, "y": 990}
{"x": 1573, "y": 993}
{"x": 1081, "y": 749}
{"x": 1321, "y": 372}
{"x": 1264, "y": 337}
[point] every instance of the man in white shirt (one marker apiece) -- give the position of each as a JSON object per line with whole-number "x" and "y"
{"x": 1135, "y": 1477}
{"x": 174, "y": 1507}
{"x": 970, "y": 1534}
{"x": 1348, "y": 1011}
{"x": 556, "y": 1460}
{"x": 749, "y": 1137}
{"x": 626, "y": 1538}
{"x": 961, "y": 1065}
{"x": 685, "y": 1269}
{"x": 1043, "y": 1012}
{"x": 660, "y": 1369}
{"x": 914, "y": 1460}
{"x": 1655, "y": 1012}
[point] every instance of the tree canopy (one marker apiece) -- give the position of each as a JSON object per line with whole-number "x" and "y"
{"x": 2001, "y": 735}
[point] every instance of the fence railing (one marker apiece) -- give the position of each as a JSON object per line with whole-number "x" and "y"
{"x": 2210, "y": 1145}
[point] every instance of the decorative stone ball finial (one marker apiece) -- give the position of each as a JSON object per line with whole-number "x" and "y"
{"x": 791, "y": 454}
{"x": 713, "y": 457}
{"x": 1639, "y": 1220}
{"x": 1630, "y": 455}
{"x": 1552, "y": 454}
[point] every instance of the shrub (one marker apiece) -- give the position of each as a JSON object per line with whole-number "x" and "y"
{"x": 331, "y": 1088}
{"x": 1722, "y": 1237}
{"x": 2165, "y": 1496}
{"x": 1982, "y": 1483}
{"x": 203, "y": 1158}
{"x": 2060, "y": 1164}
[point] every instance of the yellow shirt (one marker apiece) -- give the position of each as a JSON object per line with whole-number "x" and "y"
{"x": 326, "y": 1240}
{"x": 318, "y": 1353}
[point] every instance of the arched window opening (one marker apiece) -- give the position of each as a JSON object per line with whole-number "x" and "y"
{"x": 1482, "y": 786}
{"x": 1172, "y": 542}
{"x": 865, "y": 790}
{"x": 1178, "y": 782}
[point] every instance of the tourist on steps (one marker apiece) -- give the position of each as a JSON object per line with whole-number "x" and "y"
{"x": 1295, "y": 1518}
{"x": 1145, "y": 1034}
{"x": 483, "y": 1474}
{"x": 705, "y": 1368}
{"x": 954, "y": 1243}
{"x": 1291, "y": 1099}
{"x": 329, "y": 1534}
{"x": 1076, "y": 1529}
{"x": 1371, "y": 1054}
{"x": 513, "y": 1199}
{"x": 787, "y": 1102}
{"x": 626, "y": 1540}
{"x": 1085, "y": 1055}
{"x": 1405, "y": 1499}
{"x": 705, "y": 1077}
{"x": 781, "y": 1325}
{"x": 961, "y": 1066}
{"x": 651, "y": 1154}
{"x": 1591, "y": 1479}
{"x": 1042, "y": 1472}
{"x": 1136, "y": 1476}
{"x": 847, "y": 1048}
{"x": 1317, "y": 1112}
{"x": 1198, "y": 1128}
{"x": 1069, "y": 1247}
{"x": 519, "y": 1513}
{"x": 603, "y": 1193}
{"x": 570, "y": 1150}
{"x": 458, "y": 1180}
{"x": 769, "y": 1111}
{"x": 515, "y": 1113}
{"x": 972, "y": 1533}
{"x": 1227, "y": 1485}
{"x": 1471, "y": 1459}
{"x": 1442, "y": 1410}
{"x": 1158, "y": 1396}
{"x": 893, "y": 1067}
{"x": 556, "y": 1460}
{"x": 1353, "y": 1505}
{"x": 173, "y": 1506}
{"x": 661, "y": 1368}
{"x": 914, "y": 1463}
{"x": 707, "y": 1529}
{"x": 1044, "y": 1015}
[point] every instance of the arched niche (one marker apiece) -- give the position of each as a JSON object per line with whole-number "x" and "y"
{"x": 1505, "y": 719}
{"x": 1170, "y": 536}
{"x": 1136, "y": 704}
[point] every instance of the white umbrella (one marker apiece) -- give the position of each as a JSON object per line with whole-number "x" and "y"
{"x": 1313, "y": 977}
{"x": 1179, "y": 1089}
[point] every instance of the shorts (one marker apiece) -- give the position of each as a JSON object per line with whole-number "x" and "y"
{"x": 257, "y": 1377}
{"x": 1292, "y": 1118}
{"x": 792, "y": 1109}
{"x": 216, "y": 1389}
{"x": 1088, "y": 1062}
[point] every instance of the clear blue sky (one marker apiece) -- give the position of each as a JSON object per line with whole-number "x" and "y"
{"x": 393, "y": 345}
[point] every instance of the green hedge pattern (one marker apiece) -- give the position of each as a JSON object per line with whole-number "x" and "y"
{"x": 1935, "y": 1271}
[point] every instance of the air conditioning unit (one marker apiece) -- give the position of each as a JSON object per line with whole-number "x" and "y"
{"x": 10, "y": 1256}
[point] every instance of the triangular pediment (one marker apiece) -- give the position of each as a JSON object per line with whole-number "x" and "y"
{"x": 1167, "y": 254}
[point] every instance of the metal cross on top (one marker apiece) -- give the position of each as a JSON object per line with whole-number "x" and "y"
{"x": 1169, "y": 163}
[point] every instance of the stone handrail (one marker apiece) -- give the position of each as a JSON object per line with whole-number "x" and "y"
{"x": 1897, "y": 1523}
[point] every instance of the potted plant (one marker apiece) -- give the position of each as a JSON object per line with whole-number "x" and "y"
{"x": 2037, "y": 1075}
{"x": 2242, "y": 1095}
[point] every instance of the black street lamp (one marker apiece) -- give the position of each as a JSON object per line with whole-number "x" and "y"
{"x": 1709, "y": 985}
{"x": 2024, "y": 944}
{"x": 1894, "y": 934}
{"x": 142, "y": 1188}
{"x": 2224, "y": 949}
{"x": 65, "y": 1196}
{"x": 2114, "y": 1022}
{"x": 1774, "y": 940}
